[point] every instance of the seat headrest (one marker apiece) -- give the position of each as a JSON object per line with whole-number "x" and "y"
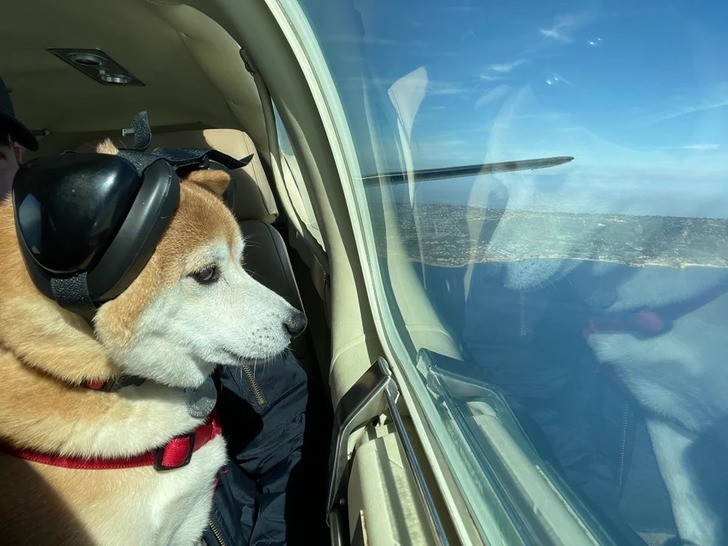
{"x": 253, "y": 197}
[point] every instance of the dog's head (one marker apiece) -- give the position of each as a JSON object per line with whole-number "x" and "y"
{"x": 192, "y": 307}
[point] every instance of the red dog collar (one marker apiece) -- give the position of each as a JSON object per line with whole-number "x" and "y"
{"x": 174, "y": 454}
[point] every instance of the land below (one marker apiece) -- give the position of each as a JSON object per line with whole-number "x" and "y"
{"x": 453, "y": 235}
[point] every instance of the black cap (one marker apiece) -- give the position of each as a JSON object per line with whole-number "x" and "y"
{"x": 18, "y": 132}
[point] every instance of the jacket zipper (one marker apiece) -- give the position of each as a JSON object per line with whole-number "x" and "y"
{"x": 216, "y": 532}
{"x": 257, "y": 393}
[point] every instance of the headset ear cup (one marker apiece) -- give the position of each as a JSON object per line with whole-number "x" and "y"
{"x": 87, "y": 224}
{"x": 67, "y": 211}
{"x": 145, "y": 224}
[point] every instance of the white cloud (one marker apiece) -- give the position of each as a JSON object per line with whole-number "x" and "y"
{"x": 492, "y": 95}
{"x": 504, "y": 68}
{"x": 696, "y": 108}
{"x": 708, "y": 99}
{"x": 490, "y": 77}
{"x": 564, "y": 25}
{"x": 555, "y": 34}
{"x": 447, "y": 88}
{"x": 700, "y": 147}
{"x": 499, "y": 71}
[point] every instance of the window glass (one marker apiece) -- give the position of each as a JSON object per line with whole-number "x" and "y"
{"x": 295, "y": 188}
{"x": 558, "y": 176}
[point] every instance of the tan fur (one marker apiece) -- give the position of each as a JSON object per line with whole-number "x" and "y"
{"x": 201, "y": 216}
{"x": 107, "y": 147}
{"x": 45, "y": 352}
{"x": 214, "y": 180}
{"x": 38, "y": 331}
{"x": 52, "y": 505}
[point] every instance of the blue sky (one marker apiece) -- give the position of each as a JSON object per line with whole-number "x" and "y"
{"x": 637, "y": 92}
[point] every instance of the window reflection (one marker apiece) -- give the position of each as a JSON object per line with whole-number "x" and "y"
{"x": 594, "y": 294}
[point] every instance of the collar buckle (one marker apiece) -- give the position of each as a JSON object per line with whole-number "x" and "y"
{"x": 176, "y": 453}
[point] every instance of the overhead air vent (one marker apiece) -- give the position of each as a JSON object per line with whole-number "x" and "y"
{"x": 97, "y": 65}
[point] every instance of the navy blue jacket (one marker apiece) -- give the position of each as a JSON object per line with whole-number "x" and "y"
{"x": 262, "y": 410}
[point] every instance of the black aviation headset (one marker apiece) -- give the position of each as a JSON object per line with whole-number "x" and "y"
{"x": 88, "y": 223}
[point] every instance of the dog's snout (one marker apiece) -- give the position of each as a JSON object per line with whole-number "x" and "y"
{"x": 296, "y": 323}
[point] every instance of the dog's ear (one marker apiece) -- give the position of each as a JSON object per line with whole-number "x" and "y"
{"x": 213, "y": 180}
{"x": 107, "y": 147}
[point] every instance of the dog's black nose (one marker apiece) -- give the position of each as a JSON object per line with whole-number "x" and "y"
{"x": 296, "y": 323}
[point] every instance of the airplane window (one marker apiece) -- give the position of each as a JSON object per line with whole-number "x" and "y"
{"x": 558, "y": 175}
{"x": 293, "y": 179}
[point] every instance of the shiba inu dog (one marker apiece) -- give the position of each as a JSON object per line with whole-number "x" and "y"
{"x": 66, "y": 463}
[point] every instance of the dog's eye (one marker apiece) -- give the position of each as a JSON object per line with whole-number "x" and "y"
{"x": 208, "y": 275}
